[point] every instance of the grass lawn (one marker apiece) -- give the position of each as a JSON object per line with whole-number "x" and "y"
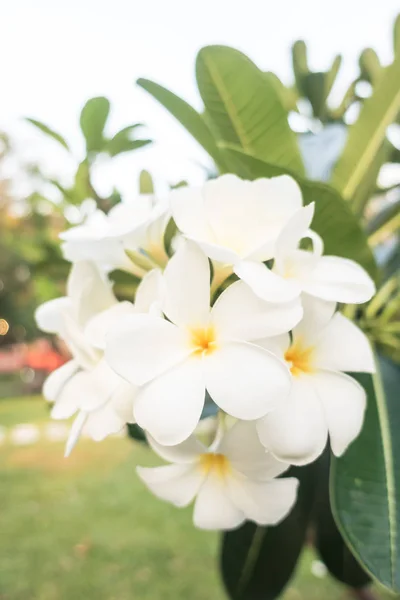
{"x": 86, "y": 528}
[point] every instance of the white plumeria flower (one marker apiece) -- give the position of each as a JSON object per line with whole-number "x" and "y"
{"x": 323, "y": 399}
{"x": 295, "y": 270}
{"x": 137, "y": 226}
{"x": 86, "y": 385}
{"x": 200, "y": 348}
{"x": 242, "y": 224}
{"x": 233, "y": 220}
{"x": 232, "y": 481}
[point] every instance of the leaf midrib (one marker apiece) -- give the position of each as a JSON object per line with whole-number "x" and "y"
{"x": 371, "y": 148}
{"x": 387, "y": 447}
{"x": 226, "y": 99}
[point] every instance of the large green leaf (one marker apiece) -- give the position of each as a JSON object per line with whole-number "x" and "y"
{"x": 365, "y": 482}
{"x": 245, "y": 106}
{"x": 93, "y": 119}
{"x": 333, "y": 220}
{"x": 49, "y": 132}
{"x": 367, "y": 134}
{"x": 258, "y": 562}
{"x": 186, "y": 115}
{"x": 328, "y": 541}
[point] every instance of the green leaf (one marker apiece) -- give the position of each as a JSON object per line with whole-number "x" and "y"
{"x": 49, "y": 132}
{"x": 123, "y": 141}
{"x": 186, "y": 115}
{"x": 328, "y": 541}
{"x": 365, "y": 482}
{"x": 136, "y": 433}
{"x": 146, "y": 185}
{"x": 333, "y": 220}
{"x": 245, "y": 106}
{"x": 367, "y": 134}
{"x": 370, "y": 66}
{"x": 258, "y": 562}
{"x": 93, "y": 119}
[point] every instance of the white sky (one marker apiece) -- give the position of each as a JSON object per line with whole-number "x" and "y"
{"x": 57, "y": 53}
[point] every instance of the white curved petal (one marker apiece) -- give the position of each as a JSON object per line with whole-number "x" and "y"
{"x": 265, "y": 503}
{"x": 297, "y": 431}
{"x": 103, "y": 422}
{"x": 188, "y": 211}
{"x": 340, "y": 280}
{"x": 185, "y": 453}
{"x": 105, "y": 321}
{"x": 130, "y": 216}
{"x": 75, "y": 432}
{"x": 83, "y": 352}
{"x": 213, "y": 508}
{"x": 177, "y": 484}
{"x": 186, "y": 299}
{"x": 56, "y": 381}
{"x": 344, "y": 401}
{"x": 142, "y": 347}
{"x": 108, "y": 253}
{"x": 94, "y": 227}
{"x": 265, "y": 283}
{"x": 89, "y": 291}
{"x": 295, "y": 229}
{"x": 70, "y": 396}
{"x": 123, "y": 399}
{"x": 240, "y": 314}
{"x": 316, "y": 316}
{"x": 245, "y": 380}
{"x": 49, "y": 316}
{"x": 170, "y": 406}
{"x": 241, "y": 445}
{"x": 342, "y": 346}
{"x": 98, "y": 386}
{"x": 149, "y": 291}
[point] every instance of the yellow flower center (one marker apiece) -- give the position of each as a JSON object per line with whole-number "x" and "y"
{"x": 216, "y": 463}
{"x": 203, "y": 340}
{"x": 299, "y": 358}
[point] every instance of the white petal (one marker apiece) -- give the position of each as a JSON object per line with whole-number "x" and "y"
{"x": 108, "y": 253}
{"x": 123, "y": 399}
{"x": 340, "y": 280}
{"x": 294, "y": 230}
{"x": 102, "y": 423}
{"x": 266, "y": 503}
{"x": 98, "y": 386}
{"x": 178, "y": 484}
{"x": 70, "y": 396}
{"x": 55, "y": 382}
{"x": 213, "y": 508}
{"x": 187, "y": 287}
{"x": 188, "y": 211}
{"x": 50, "y": 315}
{"x": 75, "y": 432}
{"x": 297, "y": 431}
{"x": 245, "y": 380}
{"x": 265, "y": 283}
{"x": 342, "y": 346}
{"x": 316, "y": 316}
{"x": 185, "y": 453}
{"x": 240, "y": 314}
{"x": 149, "y": 291}
{"x": 129, "y": 217}
{"x": 141, "y": 347}
{"x": 105, "y": 321}
{"x": 83, "y": 352}
{"x": 89, "y": 291}
{"x": 242, "y": 447}
{"x": 170, "y": 406}
{"x": 344, "y": 401}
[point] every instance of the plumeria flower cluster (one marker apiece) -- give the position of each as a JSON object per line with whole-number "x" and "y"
{"x": 240, "y": 322}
